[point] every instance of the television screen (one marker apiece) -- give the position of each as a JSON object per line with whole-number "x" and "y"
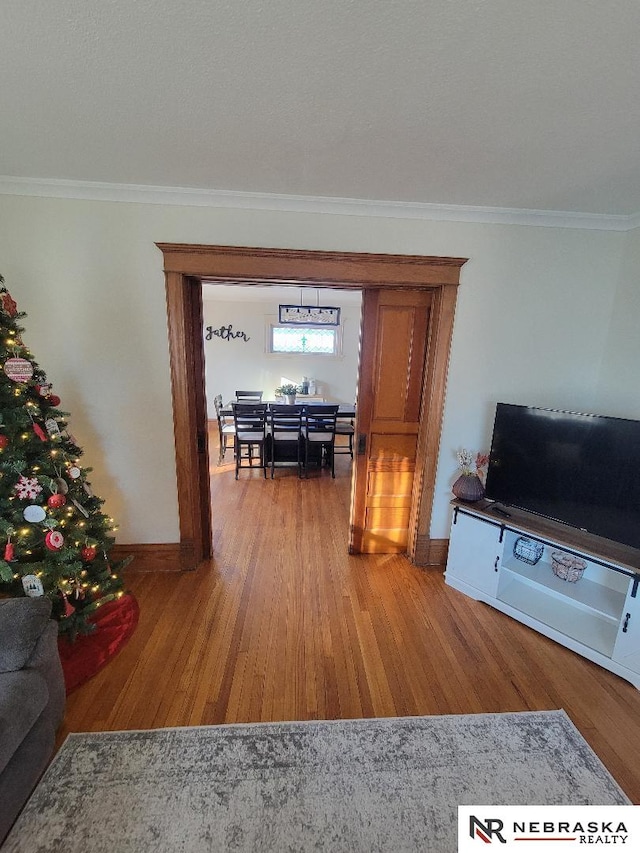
{"x": 582, "y": 470}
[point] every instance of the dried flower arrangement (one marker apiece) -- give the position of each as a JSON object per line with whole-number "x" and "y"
{"x": 469, "y": 464}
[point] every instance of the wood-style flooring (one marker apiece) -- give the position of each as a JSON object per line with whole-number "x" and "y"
{"x": 284, "y": 625}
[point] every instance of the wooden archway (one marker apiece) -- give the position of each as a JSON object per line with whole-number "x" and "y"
{"x": 187, "y": 266}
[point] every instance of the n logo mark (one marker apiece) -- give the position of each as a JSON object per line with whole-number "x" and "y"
{"x": 486, "y": 830}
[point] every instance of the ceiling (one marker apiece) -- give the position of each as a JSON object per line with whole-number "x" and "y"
{"x": 487, "y": 103}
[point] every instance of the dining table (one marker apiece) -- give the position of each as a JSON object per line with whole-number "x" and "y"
{"x": 345, "y": 410}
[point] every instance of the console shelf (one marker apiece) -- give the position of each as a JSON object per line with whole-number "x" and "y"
{"x": 586, "y": 595}
{"x": 584, "y": 626}
{"x": 598, "y": 616}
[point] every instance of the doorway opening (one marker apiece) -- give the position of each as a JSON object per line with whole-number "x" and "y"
{"x": 413, "y": 412}
{"x": 247, "y": 346}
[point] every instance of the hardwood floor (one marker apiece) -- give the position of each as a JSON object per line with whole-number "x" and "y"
{"x": 284, "y": 625}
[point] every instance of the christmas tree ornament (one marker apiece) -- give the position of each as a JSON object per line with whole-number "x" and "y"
{"x": 56, "y": 500}
{"x": 34, "y": 513}
{"x": 54, "y": 540}
{"x": 51, "y": 425}
{"x": 8, "y": 551}
{"x": 4, "y": 441}
{"x": 53, "y": 400}
{"x": 87, "y": 487}
{"x": 9, "y": 305}
{"x": 74, "y": 472}
{"x": 32, "y": 586}
{"x": 68, "y": 608}
{"x": 79, "y": 507}
{"x": 27, "y": 488}
{"x": 45, "y": 389}
{"x": 88, "y": 553}
{"x": 18, "y": 369}
{"x": 39, "y": 431}
{"x": 61, "y": 485}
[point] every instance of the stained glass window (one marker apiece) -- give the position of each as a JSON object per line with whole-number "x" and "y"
{"x": 303, "y": 340}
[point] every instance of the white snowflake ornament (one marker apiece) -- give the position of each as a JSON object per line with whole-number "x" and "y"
{"x": 27, "y": 488}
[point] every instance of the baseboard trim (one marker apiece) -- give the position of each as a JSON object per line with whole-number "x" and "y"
{"x": 177, "y": 557}
{"x": 431, "y": 552}
{"x": 164, "y": 557}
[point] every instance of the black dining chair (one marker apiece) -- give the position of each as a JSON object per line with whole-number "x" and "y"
{"x": 248, "y": 396}
{"x": 226, "y": 428}
{"x": 250, "y": 421}
{"x": 319, "y": 435}
{"x": 345, "y": 427}
{"x": 285, "y": 435}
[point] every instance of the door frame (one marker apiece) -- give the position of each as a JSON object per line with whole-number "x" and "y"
{"x": 187, "y": 266}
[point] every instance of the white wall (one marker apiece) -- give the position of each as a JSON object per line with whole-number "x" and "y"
{"x": 238, "y": 364}
{"x": 533, "y": 324}
{"x": 619, "y": 383}
{"x": 531, "y": 328}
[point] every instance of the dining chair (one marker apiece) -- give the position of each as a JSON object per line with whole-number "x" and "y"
{"x": 248, "y": 396}
{"x": 250, "y": 421}
{"x": 319, "y": 434}
{"x": 285, "y": 435}
{"x": 226, "y": 428}
{"x": 345, "y": 426}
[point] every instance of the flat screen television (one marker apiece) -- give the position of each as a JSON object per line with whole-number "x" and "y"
{"x": 579, "y": 469}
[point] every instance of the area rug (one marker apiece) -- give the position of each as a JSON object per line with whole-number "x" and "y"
{"x": 83, "y": 657}
{"x": 345, "y": 786}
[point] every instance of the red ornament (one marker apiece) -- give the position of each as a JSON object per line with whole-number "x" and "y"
{"x": 69, "y": 609}
{"x": 56, "y": 501}
{"x": 45, "y": 391}
{"x": 9, "y": 305}
{"x": 4, "y": 441}
{"x": 8, "y": 551}
{"x": 54, "y": 540}
{"x": 39, "y": 431}
{"x": 88, "y": 553}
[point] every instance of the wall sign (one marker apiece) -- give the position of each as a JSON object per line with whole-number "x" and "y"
{"x": 306, "y": 315}
{"x": 226, "y": 333}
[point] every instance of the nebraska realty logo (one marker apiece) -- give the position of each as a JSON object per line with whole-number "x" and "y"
{"x": 559, "y": 827}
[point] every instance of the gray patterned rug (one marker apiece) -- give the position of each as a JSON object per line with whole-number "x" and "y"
{"x": 349, "y": 785}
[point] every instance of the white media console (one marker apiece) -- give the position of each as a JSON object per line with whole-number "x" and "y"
{"x": 597, "y": 616}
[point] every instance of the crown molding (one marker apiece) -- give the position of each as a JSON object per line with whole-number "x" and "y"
{"x": 634, "y": 221}
{"x": 188, "y": 197}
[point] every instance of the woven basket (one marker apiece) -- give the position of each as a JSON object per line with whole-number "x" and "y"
{"x": 567, "y": 567}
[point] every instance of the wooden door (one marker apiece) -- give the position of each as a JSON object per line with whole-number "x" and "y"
{"x": 395, "y": 329}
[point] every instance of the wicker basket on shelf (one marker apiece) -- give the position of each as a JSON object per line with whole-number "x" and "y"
{"x": 567, "y": 567}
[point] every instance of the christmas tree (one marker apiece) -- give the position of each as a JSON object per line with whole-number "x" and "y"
{"x": 54, "y": 537}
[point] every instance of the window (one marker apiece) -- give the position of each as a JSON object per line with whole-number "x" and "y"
{"x": 309, "y": 340}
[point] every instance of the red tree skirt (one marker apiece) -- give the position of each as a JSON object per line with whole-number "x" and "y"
{"x": 115, "y": 623}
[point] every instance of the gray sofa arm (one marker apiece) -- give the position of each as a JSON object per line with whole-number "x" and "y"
{"x": 22, "y": 621}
